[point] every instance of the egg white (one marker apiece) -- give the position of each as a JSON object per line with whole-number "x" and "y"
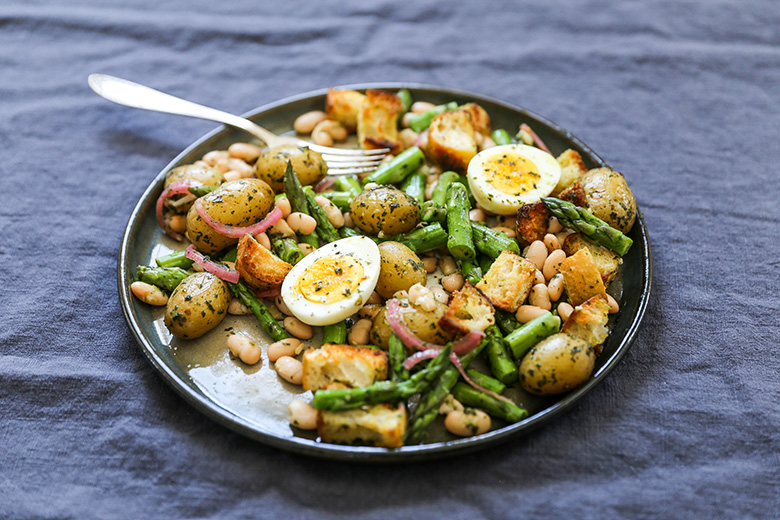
{"x": 362, "y": 249}
{"x": 499, "y": 202}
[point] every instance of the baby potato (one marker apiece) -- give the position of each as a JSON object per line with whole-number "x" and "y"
{"x": 241, "y": 202}
{"x": 556, "y": 365}
{"x": 399, "y": 269}
{"x": 423, "y": 324}
{"x": 609, "y": 198}
{"x": 385, "y": 209}
{"x": 307, "y": 164}
{"x": 206, "y": 175}
{"x": 197, "y": 305}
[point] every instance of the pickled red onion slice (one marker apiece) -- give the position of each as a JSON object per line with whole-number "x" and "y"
{"x": 220, "y": 271}
{"x": 234, "y": 231}
{"x": 176, "y": 188}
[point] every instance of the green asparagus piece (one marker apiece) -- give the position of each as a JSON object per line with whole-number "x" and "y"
{"x": 523, "y": 339}
{"x": 471, "y": 270}
{"x": 406, "y": 100}
{"x": 501, "y": 136}
{"x": 502, "y": 366}
{"x": 434, "y": 210}
{"x": 423, "y": 121}
{"x": 383, "y": 391}
{"x": 396, "y": 353}
{"x": 298, "y": 203}
{"x": 258, "y": 308}
{"x": 484, "y": 261}
{"x": 310, "y": 239}
{"x": 166, "y": 278}
{"x": 287, "y": 249}
{"x": 460, "y": 241}
{"x": 339, "y": 198}
{"x": 485, "y": 381}
{"x": 346, "y": 232}
{"x": 230, "y": 255}
{"x": 492, "y": 243}
{"x": 503, "y": 409}
{"x": 414, "y": 186}
{"x": 350, "y": 184}
{"x": 325, "y": 229}
{"x": 425, "y": 239}
{"x": 177, "y": 259}
{"x": 395, "y": 171}
{"x": 200, "y": 191}
{"x": 428, "y": 407}
{"x": 506, "y": 321}
{"x": 335, "y": 334}
{"x": 592, "y": 227}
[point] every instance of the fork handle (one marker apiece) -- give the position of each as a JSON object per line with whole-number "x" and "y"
{"x": 135, "y": 95}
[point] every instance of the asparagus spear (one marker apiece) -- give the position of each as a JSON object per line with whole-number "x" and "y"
{"x": 166, "y": 278}
{"x": 423, "y": 121}
{"x": 298, "y": 202}
{"x": 501, "y": 363}
{"x": 395, "y": 171}
{"x": 492, "y": 243}
{"x": 501, "y": 136}
{"x": 350, "y": 184}
{"x": 523, "y": 339}
{"x": 259, "y": 309}
{"x": 506, "y": 321}
{"x": 414, "y": 186}
{"x": 397, "y": 354}
{"x": 383, "y": 391}
{"x": 339, "y": 198}
{"x": 406, "y": 99}
{"x": 177, "y": 259}
{"x": 200, "y": 191}
{"x": 335, "y": 333}
{"x": 434, "y": 210}
{"x": 324, "y": 229}
{"x": 425, "y": 239}
{"x": 592, "y": 227}
{"x": 485, "y": 381}
{"x": 460, "y": 241}
{"x": 471, "y": 270}
{"x": 506, "y": 410}
{"x": 287, "y": 249}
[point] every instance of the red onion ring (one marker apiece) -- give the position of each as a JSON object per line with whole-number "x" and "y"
{"x": 456, "y": 362}
{"x": 421, "y": 356}
{"x": 176, "y": 188}
{"x": 220, "y": 271}
{"x": 537, "y": 140}
{"x": 234, "y": 231}
{"x": 325, "y": 184}
{"x": 268, "y": 293}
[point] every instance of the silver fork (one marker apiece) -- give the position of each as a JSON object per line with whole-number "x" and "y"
{"x": 340, "y": 161}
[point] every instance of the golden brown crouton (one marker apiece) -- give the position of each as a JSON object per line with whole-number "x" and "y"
{"x": 480, "y": 119}
{"x": 259, "y": 268}
{"x": 377, "y": 122}
{"x": 468, "y": 310}
{"x": 355, "y": 367}
{"x": 575, "y": 194}
{"x": 572, "y": 169}
{"x": 589, "y": 321}
{"x": 451, "y": 142}
{"x": 607, "y": 261}
{"x": 508, "y": 281}
{"x": 381, "y": 425}
{"x": 532, "y": 222}
{"x": 343, "y": 106}
{"x": 581, "y": 277}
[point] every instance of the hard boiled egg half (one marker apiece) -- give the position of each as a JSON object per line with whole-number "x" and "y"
{"x": 332, "y": 282}
{"x": 503, "y": 178}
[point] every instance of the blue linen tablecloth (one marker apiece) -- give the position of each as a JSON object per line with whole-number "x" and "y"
{"x": 682, "y": 97}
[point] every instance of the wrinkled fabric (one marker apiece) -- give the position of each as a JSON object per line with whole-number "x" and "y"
{"x": 682, "y": 97}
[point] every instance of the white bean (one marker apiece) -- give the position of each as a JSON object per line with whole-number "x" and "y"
{"x": 565, "y": 310}
{"x": 537, "y": 253}
{"x": 374, "y": 298}
{"x": 477, "y": 215}
{"x": 328, "y": 131}
{"x": 407, "y": 117}
{"x": 285, "y": 347}
{"x": 215, "y": 155}
{"x": 526, "y": 313}
{"x": 552, "y": 263}
{"x": 450, "y": 404}
{"x": 440, "y": 294}
{"x": 613, "y": 304}
{"x": 302, "y": 223}
{"x": 421, "y": 107}
{"x": 331, "y": 210}
{"x": 467, "y": 422}
{"x": 244, "y": 348}
{"x": 240, "y": 166}
{"x": 289, "y": 369}
{"x": 539, "y": 277}
{"x": 263, "y": 240}
{"x": 348, "y": 220}
{"x": 282, "y": 306}
{"x": 561, "y": 236}
{"x": 298, "y": 328}
{"x": 487, "y": 142}
{"x": 430, "y": 263}
{"x": 306, "y": 248}
{"x": 358, "y": 334}
{"x": 511, "y": 233}
{"x": 551, "y": 241}
{"x": 555, "y": 287}
{"x": 177, "y": 223}
{"x": 236, "y": 308}
{"x": 282, "y": 228}
{"x": 149, "y": 293}
{"x": 539, "y": 297}
{"x": 305, "y": 123}
{"x": 553, "y": 226}
{"x": 232, "y": 175}
{"x": 407, "y": 137}
{"x": 244, "y": 151}
{"x": 453, "y": 282}
{"x": 421, "y": 297}
{"x": 283, "y": 203}
{"x": 370, "y": 186}
{"x": 448, "y": 265}
{"x": 302, "y": 415}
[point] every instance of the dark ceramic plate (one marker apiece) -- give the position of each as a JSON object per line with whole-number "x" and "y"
{"x": 253, "y": 400}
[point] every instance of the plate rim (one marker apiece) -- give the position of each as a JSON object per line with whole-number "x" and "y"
{"x": 300, "y": 445}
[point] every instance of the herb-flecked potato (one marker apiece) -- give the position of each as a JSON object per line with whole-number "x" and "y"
{"x": 385, "y": 209}
{"x": 556, "y": 365}
{"x": 307, "y": 164}
{"x": 609, "y": 198}
{"x": 197, "y": 305}
{"x": 423, "y": 324}
{"x": 206, "y": 175}
{"x": 399, "y": 269}
{"x": 242, "y": 202}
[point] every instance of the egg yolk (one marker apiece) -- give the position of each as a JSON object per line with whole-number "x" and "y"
{"x": 331, "y": 279}
{"x": 511, "y": 174}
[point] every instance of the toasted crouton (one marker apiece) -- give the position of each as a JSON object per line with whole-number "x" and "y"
{"x": 581, "y": 277}
{"x": 532, "y": 222}
{"x": 377, "y": 122}
{"x": 468, "y": 310}
{"x": 354, "y": 367}
{"x": 343, "y": 106}
{"x": 451, "y": 141}
{"x": 259, "y": 268}
{"x": 381, "y": 425}
{"x": 575, "y": 194}
{"x": 589, "y": 321}
{"x": 480, "y": 119}
{"x": 508, "y": 281}
{"x": 607, "y": 261}
{"x": 572, "y": 170}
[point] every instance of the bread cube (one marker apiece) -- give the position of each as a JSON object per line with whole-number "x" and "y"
{"x": 582, "y": 277}
{"x": 572, "y": 169}
{"x": 382, "y": 425}
{"x": 354, "y": 367}
{"x": 377, "y": 122}
{"x": 607, "y": 261}
{"x": 508, "y": 281}
{"x": 344, "y": 106}
{"x": 259, "y": 267}
{"x": 468, "y": 310}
